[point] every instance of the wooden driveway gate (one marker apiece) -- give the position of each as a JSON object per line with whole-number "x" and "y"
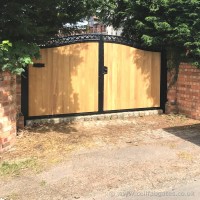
{"x": 93, "y": 74}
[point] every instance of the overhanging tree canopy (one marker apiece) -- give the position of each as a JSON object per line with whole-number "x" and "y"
{"x": 25, "y": 22}
{"x": 173, "y": 24}
{"x": 39, "y": 19}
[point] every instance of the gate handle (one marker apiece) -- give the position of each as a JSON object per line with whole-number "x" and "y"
{"x": 105, "y": 70}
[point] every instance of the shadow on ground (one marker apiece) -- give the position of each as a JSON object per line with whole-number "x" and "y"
{"x": 66, "y": 128}
{"x": 190, "y": 133}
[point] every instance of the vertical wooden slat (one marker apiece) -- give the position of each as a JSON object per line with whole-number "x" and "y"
{"x": 156, "y": 75}
{"x": 40, "y": 100}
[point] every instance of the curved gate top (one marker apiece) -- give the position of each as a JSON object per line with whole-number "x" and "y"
{"x": 93, "y": 73}
{"x": 62, "y": 41}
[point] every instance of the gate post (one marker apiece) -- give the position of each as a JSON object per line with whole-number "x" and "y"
{"x": 163, "y": 81}
{"x": 24, "y": 95}
{"x": 101, "y": 75}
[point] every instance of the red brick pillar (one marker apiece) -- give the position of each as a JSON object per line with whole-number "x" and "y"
{"x": 184, "y": 91}
{"x": 188, "y": 92}
{"x": 7, "y": 110}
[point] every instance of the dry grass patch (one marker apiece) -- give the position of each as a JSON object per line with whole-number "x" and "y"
{"x": 16, "y": 167}
{"x": 48, "y": 144}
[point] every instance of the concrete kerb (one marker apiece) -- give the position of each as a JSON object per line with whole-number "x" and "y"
{"x": 110, "y": 116}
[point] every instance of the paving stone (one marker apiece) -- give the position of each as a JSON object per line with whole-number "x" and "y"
{"x": 114, "y": 116}
{"x": 111, "y": 116}
{"x": 100, "y": 117}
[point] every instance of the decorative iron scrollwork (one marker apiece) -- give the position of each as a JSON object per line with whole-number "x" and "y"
{"x": 117, "y": 39}
{"x": 61, "y": 41}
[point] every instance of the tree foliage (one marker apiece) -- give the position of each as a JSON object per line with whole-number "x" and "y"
{"x": 24, "y": 23}
{"x": 16, "y": 58}
{"x": 37, "y": 20}
{"x": 170, "y": 24}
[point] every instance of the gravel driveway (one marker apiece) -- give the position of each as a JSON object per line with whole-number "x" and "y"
{"x": 117, "y": 159}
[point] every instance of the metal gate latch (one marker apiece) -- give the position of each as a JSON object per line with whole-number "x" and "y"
{"x": 38, "y": 65}
{"x": 105, "y": 70}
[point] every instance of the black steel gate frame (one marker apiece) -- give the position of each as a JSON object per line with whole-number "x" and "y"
{"x": 101, "y": 39}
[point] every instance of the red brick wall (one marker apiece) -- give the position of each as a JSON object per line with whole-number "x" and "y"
{"x": 184, "y": 94}
{"x": 7, "y": 110}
